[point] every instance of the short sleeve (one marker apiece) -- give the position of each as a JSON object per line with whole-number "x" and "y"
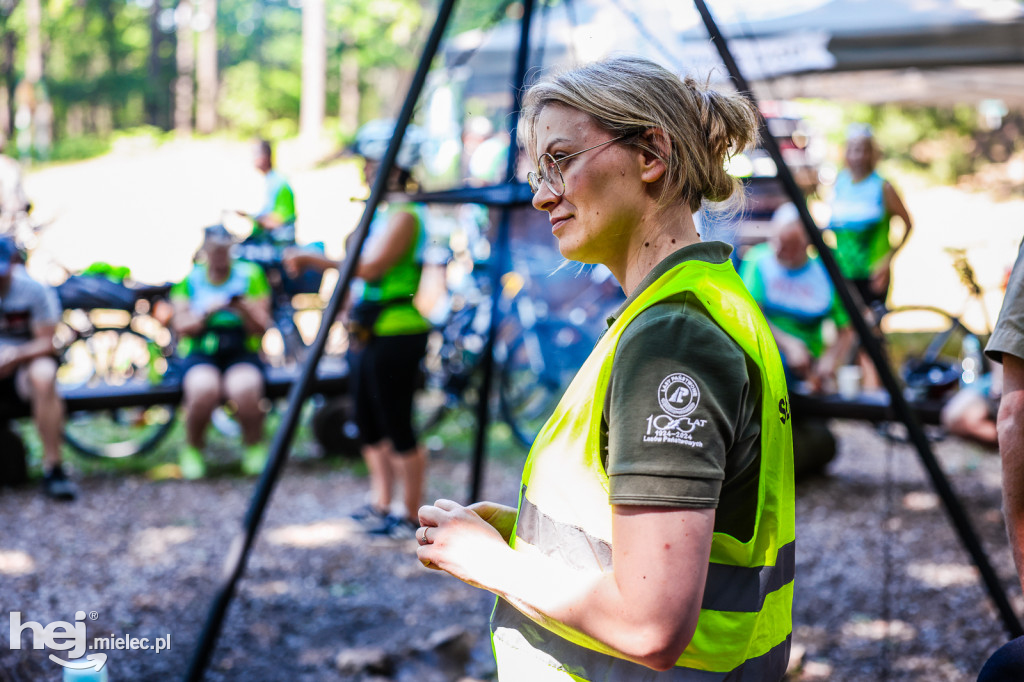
{"x": 838, "y": 312}
{"x": 46, "y": 308}
{"x": 751, "y": 274}
{"x": 180, "y": 292}
{"x": 676, "y": 406}
{"x": 284, "y": 204}
{"x": 1008, "y": 336}
{"x": 259, "y": 287}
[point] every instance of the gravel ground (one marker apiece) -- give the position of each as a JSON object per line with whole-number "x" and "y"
{"x": 884, "y": 589}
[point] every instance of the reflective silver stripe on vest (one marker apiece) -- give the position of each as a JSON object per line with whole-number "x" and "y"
{"x": 572, "y": 545}
{"x": 742, "y": 588}
{"x": 517, "y": 631}
{"x": 728, "y": 588}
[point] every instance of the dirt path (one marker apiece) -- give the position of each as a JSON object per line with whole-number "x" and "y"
{"x": 883, "y": 585}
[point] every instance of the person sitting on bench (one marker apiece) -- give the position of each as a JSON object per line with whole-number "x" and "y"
{"x": 971, "y": 412}
{"x": 221, "y": 311}
{"x": 796, "y": 296}
{"x": 29, "y": 313}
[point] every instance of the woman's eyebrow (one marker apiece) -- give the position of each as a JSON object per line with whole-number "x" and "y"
{"x": 552, "y": 142}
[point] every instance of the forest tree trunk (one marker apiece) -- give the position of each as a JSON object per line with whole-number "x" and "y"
{"x": 314, "y": 70}
{"x": 185, "y": 58}
{"x": 206, "y": 68}
{"x": 348, "y": 106}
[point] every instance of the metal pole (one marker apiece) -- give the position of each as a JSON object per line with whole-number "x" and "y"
{"x": 500, "y": 263}
{"x": 960, "y": 520}
{"x": 238, "y": 553}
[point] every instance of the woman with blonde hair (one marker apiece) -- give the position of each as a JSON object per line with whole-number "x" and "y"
{"x": 654, "y": 533}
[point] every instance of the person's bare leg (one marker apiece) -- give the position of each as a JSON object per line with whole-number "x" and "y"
{"x": 870, "y": 380}
{"x": 243, "y": 385}
{"x": 412, "y": 467}
{"x": 966, "y": 415}
{"x": 378, "y": 462}
{"x": 201, "y": 389}
{"x": 38, "y": 383}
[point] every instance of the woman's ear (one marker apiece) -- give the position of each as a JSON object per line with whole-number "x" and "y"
{"x": 657, "y": 147}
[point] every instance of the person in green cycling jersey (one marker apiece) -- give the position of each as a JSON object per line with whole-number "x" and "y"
{"x": 387, "y": 337}
{"x": 797, "y": 298}
{"x": 796, "y": 295}
{"x": 221, "y": 310}
{"x": 276, "y": 219}
{"x": 862, "y": 204}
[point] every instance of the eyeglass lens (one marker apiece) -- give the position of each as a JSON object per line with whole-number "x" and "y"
{"x": 552, "y": 174}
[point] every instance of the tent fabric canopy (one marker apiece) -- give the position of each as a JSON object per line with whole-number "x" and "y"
{"x": 938, "y": 51}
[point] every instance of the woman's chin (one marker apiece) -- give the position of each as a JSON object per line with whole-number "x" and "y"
{"x": 569, "y": 249}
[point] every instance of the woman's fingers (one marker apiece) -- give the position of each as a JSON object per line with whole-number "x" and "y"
{"x": 422, "y": 553}
{"x": 430, "y": 515}
{"x": 437, "y": 513}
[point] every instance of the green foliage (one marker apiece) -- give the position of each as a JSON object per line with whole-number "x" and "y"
{"x": 80, "y": 147}
{"x": 111, "y": 64}
{"x": 239, "y": 98}
{"x": 940, "y": 144}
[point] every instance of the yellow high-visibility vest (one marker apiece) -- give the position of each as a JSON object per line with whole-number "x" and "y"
{"x": 745, "y": 622}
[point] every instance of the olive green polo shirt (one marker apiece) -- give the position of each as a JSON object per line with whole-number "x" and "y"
{"x": 1008, "y": 335}
{"x": 675, "y": 352}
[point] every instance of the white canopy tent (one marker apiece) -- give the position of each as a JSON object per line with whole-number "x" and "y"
{"x": 927, "y": 51}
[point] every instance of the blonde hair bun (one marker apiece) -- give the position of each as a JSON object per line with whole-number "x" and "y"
{"x": 628, "y": 95}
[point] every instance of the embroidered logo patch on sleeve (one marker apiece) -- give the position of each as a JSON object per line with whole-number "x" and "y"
{"x": 678, "y": 397}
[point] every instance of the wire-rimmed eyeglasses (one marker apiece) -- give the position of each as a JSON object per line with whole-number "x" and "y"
{"x": 549, "y": 171}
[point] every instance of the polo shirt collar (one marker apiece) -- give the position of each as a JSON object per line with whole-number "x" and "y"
{"x": 710, "y": 252}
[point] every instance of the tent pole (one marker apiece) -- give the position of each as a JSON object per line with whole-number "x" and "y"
{"x": 500, "y": 260}
{"x": 238, "y": 552}
{"x": 961, "y": 522}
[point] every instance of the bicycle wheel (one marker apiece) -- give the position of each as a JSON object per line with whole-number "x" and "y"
{"x": 335, "y": 429}
{"x": 539, "y": 366}
{"x": 934, "y": 351}
{"x": 449, "y": 378}
{"x": 115, "y": 357}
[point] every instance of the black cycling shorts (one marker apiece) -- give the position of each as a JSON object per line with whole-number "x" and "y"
{"x": 9, "y": 388}
{"x": 221, "y": 361}
{"x": 385, "y": 374}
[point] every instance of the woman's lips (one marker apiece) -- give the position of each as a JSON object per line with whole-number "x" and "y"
{"x": 559, "y": 222}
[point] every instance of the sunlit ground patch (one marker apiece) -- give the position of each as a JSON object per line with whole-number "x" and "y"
{"x": 16, "y": 562}
{"x": 943, "y": 575}
{"x": 311, "y": 535}
{"x": 154, "y": 544}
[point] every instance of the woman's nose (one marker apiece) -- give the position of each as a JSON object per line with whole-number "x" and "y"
{"x": 544, "y": 199}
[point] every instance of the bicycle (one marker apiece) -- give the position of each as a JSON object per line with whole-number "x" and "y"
{"x": 934, "y": 352}
{"x": 536, "y": 353}
{"x": 108, "y": 337}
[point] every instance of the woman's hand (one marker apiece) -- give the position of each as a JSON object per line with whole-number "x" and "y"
{"x": 880, "y": 276}
{"x": 798, "y": 356}
{"x": 255, "y": 313}
{"x": 187, "y": 322}
{"x": 9, "y": 360}
{"x": 501, "y": 517}
{"x": 458, "y": 540}
{"x": 294, "y": 261}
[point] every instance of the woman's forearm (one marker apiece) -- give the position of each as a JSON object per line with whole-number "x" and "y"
{"x": 591, "y": 605}
{"x": 645, "y": 610}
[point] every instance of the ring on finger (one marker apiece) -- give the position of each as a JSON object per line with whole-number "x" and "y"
{"x": 423, "y": 540}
